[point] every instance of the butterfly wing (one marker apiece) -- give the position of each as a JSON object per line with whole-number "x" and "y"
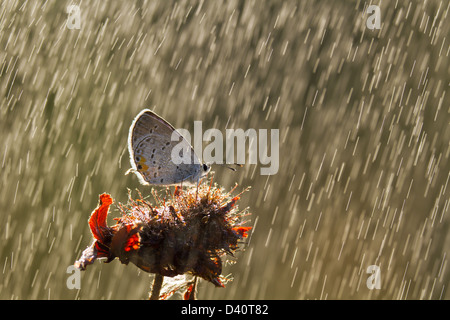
{"x": 150, "y": 146}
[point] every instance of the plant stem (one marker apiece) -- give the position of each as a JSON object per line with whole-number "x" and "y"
{"x": 156, "y": 287}
{"x": 194, "y": 287}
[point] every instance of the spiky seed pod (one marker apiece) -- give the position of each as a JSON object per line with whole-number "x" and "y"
{"x": 187, "y": 232}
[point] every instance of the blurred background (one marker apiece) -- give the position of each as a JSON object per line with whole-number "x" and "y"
{"x": 364, "y": 138}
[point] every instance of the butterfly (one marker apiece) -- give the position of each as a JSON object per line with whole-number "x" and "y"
{"x": 155, "y": 148}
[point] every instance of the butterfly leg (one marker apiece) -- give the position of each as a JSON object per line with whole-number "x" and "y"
{"x": 196, "y": 193}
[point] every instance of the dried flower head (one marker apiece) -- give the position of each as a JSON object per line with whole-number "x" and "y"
{"x": 187, "y": 232}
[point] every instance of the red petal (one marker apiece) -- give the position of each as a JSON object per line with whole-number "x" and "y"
{"x": 97, "y": 221}
{"x": 233, "y": 201}
{"x": 242, "y": 231}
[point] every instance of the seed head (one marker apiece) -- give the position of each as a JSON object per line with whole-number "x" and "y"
{"x": 188, "y": 231}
